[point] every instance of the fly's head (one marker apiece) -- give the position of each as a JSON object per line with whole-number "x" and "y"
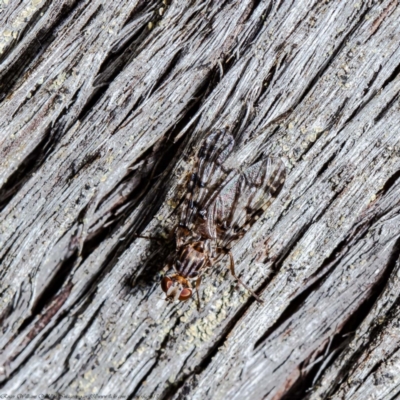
{"x": 176, "y": 287}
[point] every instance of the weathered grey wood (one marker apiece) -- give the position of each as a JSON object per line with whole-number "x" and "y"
{"x": 99, "y": 127}
{"x": 373, "y": 370}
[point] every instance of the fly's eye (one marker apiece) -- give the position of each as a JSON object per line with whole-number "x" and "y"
{"x": 186, "y": 294}
{"x": 166, "y": 283}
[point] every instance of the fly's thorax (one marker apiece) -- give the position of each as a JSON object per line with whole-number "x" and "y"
{"x": 192, "y": 258}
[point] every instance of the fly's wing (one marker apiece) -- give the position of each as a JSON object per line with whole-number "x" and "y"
{"x": 206, "y": 178}
{"x": 243, "y": 199}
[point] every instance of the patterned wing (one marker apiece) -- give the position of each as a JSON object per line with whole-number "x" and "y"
{"x": 243, "y": 199}
{"x": 207, "y": 177}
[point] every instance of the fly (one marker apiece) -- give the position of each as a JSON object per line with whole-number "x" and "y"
{"x": 218, "y": 210}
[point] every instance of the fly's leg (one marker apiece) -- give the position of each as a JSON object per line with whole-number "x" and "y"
{"x": 232, "y": 269}
{"x": 208, "y": 264}
{"x": 198, "y": 282}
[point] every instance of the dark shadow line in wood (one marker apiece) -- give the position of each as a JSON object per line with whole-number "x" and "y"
{"x": 280, "y": 258}
{"x": 177, "y": 386}
{"x": 302, "y": 386}
{"x": 385, "y": 13}
{"x": 43, "y": 339}
{"x": 140, "y": 8}
{"x": 170, "y": 391}
{"x": 364, "y": 103}
{"x": 23, "y": 33}
{"x": 48, "y": 296}
{"x": 26, "y": 169}
{"x": 113, "y": 64}
{"x": 365, "y": 309}
{"x": 396, "y": 396}
{"x": 392, "y": 76}
{"x": 329, "y": 161}
{"x": 33, "y": 162}
{"x": 265, "y": 84}
{"x": 376, "y": 367}
{"x": 333, "y": 56}
{"x": 112, "y": 210}
{"x": 159, "y": 353}
{"x": 343, "y": 335}
{"x": 47, "y": 316}
{"x": 258, "y": 27}
{"x": 35, "y": 48}
{"x": 387, "y": 107}
{"x": 296, "y": 303}
{"x": 85, "y": 304}
{"x": 86, "y": 329}
{"x": 104, "y": 233}
{"x": 298, "y": 389}
{"x": 355, "y": 234}
{"x": 389, "y": 184}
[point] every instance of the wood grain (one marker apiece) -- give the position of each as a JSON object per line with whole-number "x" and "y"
{"x": 103, "y": 107}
